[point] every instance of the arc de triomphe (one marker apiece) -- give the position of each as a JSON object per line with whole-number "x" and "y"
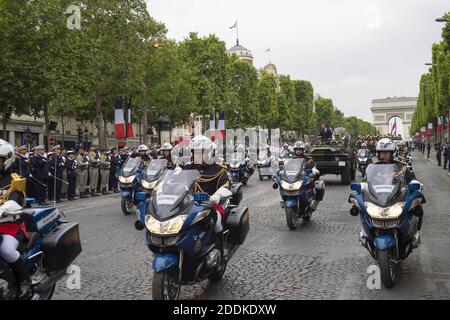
{"x": 383, "y": 110}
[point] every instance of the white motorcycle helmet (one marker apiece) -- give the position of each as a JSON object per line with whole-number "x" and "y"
{"x": 202, "y": 145}
{"x": 7, "y": 156}
{"x": 166, "y": 146}
{"x": 142, "y": 148}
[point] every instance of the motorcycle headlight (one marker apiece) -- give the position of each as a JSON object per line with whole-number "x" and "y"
{"x": 127, "y": 180}
{"x": 172, "y": 226}
{"x": 234, "y": 166}
{"x": 149, "y": 185}
{"x": 364, "y": 160}
{"x": 385, "y": 213}
{"x": 291, "y": 186}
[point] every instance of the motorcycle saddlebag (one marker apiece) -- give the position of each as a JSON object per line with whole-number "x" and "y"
{"x": 61, "y": 246}
{"x": 238, "y": 224}
{"x": 236, "y": 188}
{"x": 320, "y": 190}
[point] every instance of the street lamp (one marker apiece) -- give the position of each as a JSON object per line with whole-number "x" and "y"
{"x": 163, "y": 130}
{"x": 442, "y": 20}
{"x": 428, "y": 64}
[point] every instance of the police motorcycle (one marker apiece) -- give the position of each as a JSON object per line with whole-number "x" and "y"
{"x": 53, "y": 244}
{"x": 238, "y": 166}
{"x": 264, "y": 164}
{"x": 153, "y": 174}
{"x": 180, "y": 232}
{"x": 130, "y": 183}
{"x": 391, "y": 216}
{"x": 363, "y": 159}
{"x": 283, "y": 156}
{"x": 300, "y": 191}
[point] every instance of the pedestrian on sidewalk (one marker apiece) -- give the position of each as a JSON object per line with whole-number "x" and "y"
{"x": 438, "y": 149}
{"x": 428, "y": 148}
{"x": 446, "y": 154}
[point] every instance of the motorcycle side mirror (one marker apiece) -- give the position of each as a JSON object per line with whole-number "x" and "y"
{"x": 275, "y": 186}
{"x": 356, "y": 187}
{"x": 139, "y": 226}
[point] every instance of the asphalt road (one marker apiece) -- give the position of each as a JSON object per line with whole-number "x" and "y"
{"x": 322, "y": 259}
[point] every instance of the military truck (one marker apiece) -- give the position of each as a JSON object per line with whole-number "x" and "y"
{"x": 334, "y": 156}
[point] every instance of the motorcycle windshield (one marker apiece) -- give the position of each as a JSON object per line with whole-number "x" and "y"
{"x": 293, "y": 170}
{"x": 173, "y": 189}
{"x": 362, "y": 153}
{"x": 130, "y": 167}
{"x": 384, "y": 181}
{"x": 154, "y": 169}
{"x": 237, "y": 158}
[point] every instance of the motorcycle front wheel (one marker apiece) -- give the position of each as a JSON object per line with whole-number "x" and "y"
{"x": 127, "y": 206}
{"x": 166, "y": 285}
{"x": 47, "y": 294}
{"x": 388, "y": 268}
{"x": 292, "y": 218}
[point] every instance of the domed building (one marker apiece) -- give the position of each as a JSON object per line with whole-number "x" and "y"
{"x": 242, "y": 53}
{"x": 271, "y": 68}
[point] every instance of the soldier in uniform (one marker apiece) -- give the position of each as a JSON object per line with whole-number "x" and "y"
{"x": 39, "y": 171}
{"x": 55, "y": 166}
{"x": 71, "y": 167}
{"x": 94, "y": 161}
{"x": 82, "y": 172}
{"x": 64, "y": 175}
{"x": 114, "y": 169}
{"x": 104, "y": 166}
{"x": 22, "y": 167}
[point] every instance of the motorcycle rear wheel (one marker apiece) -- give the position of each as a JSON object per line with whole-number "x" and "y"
{"x": 166, "y": 285}
{"x": 292, "y": 218}
{"x": 388, "y": 268}
{"x": 126, "y": 205}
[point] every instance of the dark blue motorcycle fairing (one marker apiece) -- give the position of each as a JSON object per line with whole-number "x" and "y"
{"x": 194, "y": 210}
{"x": 364, "y": 216}
{"x": 126, "y": 193}
{"x": 164, "y": 261}
{"x": 290, "y": 202}
{"x": 190, "y": 236}
{"x": 384, "y": 241}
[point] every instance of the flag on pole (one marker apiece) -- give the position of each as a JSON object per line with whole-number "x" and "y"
{"x": 440, "y": 124}
{"x": 221, "y": 126}
{"x": 119, "y": 121}
{"x": 394, "y": 128}
{"x": 234, "y": 25}
{"x": 430, "y": 128}
{"x": 212, "y": 127}
{"x": 130, "y": 126}
{"x": 268, "y": 50}
{"x": 422, "y": 132}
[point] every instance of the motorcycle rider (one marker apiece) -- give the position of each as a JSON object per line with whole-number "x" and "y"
{"x": 212, "y": 176}
{"x": 166, "y": 153}
{"x": 142, "y": 152}
{"x": 11, "y": 234}
{"x": 385, "y": 153}
{"x": 299, "y": 153}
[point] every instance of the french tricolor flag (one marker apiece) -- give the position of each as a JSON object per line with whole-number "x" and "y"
{"x": 119, "y": 121}
{"x": 212, "y": 127}
{"x": 430, "y": 128}
{"x": 221, "y": 125}
{"x": 440, "y": 124}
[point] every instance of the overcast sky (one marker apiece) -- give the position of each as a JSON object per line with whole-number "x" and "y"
{"x": 351, "y": 50}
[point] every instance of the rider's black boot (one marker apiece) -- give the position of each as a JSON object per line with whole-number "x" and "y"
{"x": 23, "y": 278}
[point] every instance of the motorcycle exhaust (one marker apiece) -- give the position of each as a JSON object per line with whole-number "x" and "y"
{"x": 48, "y": 281}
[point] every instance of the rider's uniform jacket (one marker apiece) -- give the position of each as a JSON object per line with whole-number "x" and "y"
{"x": 409, "y": 175}
{"x": 212, "y": 177}
{"x": 13, "y": 229}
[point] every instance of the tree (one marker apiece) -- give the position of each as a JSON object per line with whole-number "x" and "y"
{"x": 267, "y": 101}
